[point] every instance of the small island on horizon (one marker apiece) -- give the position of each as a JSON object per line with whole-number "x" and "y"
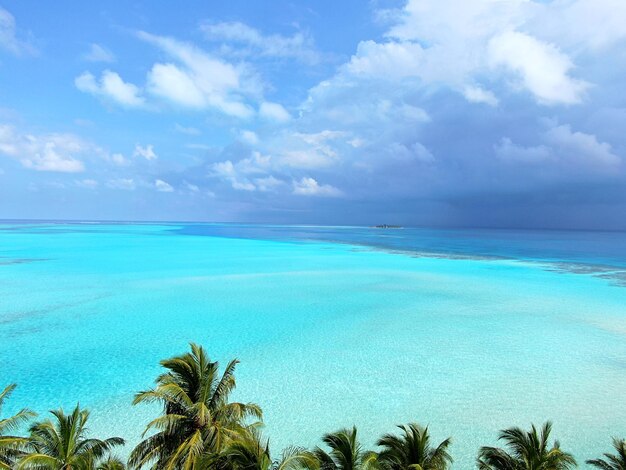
{"x": 387, "y": 226}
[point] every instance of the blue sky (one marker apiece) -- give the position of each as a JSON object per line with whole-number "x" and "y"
{"x": 425, "y": 112}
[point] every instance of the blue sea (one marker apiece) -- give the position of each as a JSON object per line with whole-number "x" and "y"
{"x": 467, "y": 331}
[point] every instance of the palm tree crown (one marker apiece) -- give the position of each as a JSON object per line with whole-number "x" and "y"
{"x": 412, "y": 450}
{"x": 11, "y": 446}
{"x": 62, "y": 444}
{"x": 345, "y": 453}
{"x": 612, "y": 461}
{"x": 197, "y": 417}
{"x": 251, "y": 452}
{"x": 527, "y": 451}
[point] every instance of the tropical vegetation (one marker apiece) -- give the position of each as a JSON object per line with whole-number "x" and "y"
{"x": 62, "y": 444}
{"x": 11, "y": 447}
{"x": 526, "y": 450}
{"x": 612, "y": 461}
{"x": 201, "y": 428}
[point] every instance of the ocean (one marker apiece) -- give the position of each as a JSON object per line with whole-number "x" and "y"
{"x": 466, "y": 331}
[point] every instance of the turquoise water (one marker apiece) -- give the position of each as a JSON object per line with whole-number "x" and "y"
{"x": 330, "y": 333}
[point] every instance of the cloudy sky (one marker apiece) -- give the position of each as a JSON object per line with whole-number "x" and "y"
{"x": 503, "y": 113}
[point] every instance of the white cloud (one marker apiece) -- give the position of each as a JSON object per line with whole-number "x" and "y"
{"x": 388, "y": 61}
{"x": 174, "y": 84}
{"x": 476, "y": 94}
{"x": 454, "y": 44}
{"x": 119, "y": 159}
{"x": 542, "y": 68}
{"x": 8, "y": 36}
{"x": 299, "y": 46}
{"x": 98, "y": 53}
{"x": 199, "y": 80}
{"x": 187, "y": 130}
{"x": 127, "y": 184}
{"x": 268, "y": 183}
{"x": 191, "y": 187}
{"x": 565, "y": 148}
{"x": 357, "y": 142}
{"x": 146, "y": 152}
{"x": 507, "y": 150}
{"x": 240, "y": 175}
{"x": 310, "y": 187}
{"x": 249, "y": 137}
{"x": 110, "y": 86}
{"x": 163, "y": 186}
{"x": 583, "y": 24}
{"x": 309, "y": 150}
{"x": 274, "y": 112}
{"x": 580, "y": 145}
{"x": 47, "y": 152}
{"x": 87, "y": 183}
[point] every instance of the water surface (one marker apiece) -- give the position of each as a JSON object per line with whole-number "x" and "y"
{"x": 467, "y": 331}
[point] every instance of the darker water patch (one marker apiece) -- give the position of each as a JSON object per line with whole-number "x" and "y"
{"x": 11, "y": 261}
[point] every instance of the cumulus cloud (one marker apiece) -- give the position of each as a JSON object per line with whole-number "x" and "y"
{"x": 118, "y": 159}
{"x": 47, "y": 152}
{"x": 250, "y": 137}
{"x": 146, "y": 152}
{"x": 390, "y": 61}
{"x": 274, "y": 112}
{"x": 451, "y": 44}
{"x": 268, "y": 183}
{"x": 110, "y": 86}
{"x": 310, "y": 187}
{"x": 583, "y": 24}
{"x": 507, "y": 150}
{"x": 163, "y": 186}
{"x": 580, "y": 145}
{"x": 98, "y": 53}
{"x": 9, "y": 40}
{"x": 572, "y": 151}
{"x": 242, "y": 174}
{"x": 476, "y": 94}
{"x": 299, "y": 46}
{"x": 309, "y": 150}
{"x": 543, "y": 69}
{"x": 198, "y": 80}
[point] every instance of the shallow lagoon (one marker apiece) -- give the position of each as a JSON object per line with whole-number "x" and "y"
{"x": 333, "y": 327}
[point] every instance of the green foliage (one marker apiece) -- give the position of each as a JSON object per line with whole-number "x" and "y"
{"x": 615, "y": 461}
{"x": 11, "y": 447}
{"x": 345, "y": 452}
{"x": 527, "y": 450}
{"x": 412, "y": 450}
{"x": 198, "y": 419}
{"x": 252, "y": 452}
{"x": 111, "y": 463}
{"x": 62, "y": 444}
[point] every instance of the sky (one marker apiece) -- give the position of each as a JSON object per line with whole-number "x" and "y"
{"x": 443, "y": 113}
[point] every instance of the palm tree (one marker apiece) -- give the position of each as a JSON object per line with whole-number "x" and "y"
{"x": 251, "y": 452}
{"x": 62, "y": 444}
{"x": 412, "y": 450}
{"x": 110, "y": 463}
{"x": 345, "y": 452}
{"x": 11, "y": 446}
{"x": 528, "y": 451}
{"x": 612, "y": 461}
{"x": 197, "y": 420}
